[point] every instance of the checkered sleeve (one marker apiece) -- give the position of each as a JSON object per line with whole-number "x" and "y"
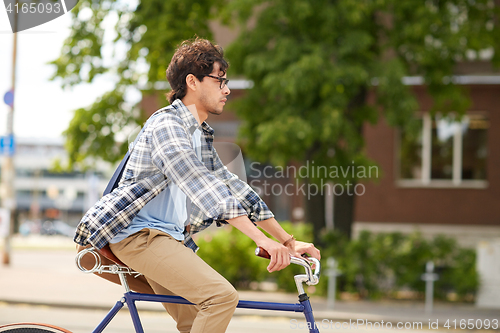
{"x": 173, "y": 154}
{"x": 255, "y": 207}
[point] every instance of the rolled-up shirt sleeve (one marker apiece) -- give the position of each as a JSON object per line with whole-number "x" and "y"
{"x": 255, "y": 207}
{"x": 172, "y": 153}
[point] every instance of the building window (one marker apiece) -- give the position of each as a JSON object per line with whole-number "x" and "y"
{"x": 445, "y": 153}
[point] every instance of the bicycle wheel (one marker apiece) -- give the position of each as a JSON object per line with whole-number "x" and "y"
{"x": 32, "y": 328}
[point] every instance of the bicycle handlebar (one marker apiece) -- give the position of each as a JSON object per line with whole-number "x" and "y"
{"x": 312, "y": 278}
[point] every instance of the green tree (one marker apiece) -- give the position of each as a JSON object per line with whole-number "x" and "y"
{"x": 314, "y": 64}
{"x": 135, "y": 54}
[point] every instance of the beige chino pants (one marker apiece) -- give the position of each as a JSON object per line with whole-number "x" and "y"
{"x": 170, "y": 268}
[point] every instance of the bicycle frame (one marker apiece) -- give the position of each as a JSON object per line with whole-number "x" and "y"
{"x": 130, "y": 298}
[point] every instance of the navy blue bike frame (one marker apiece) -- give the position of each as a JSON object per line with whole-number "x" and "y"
{"x": 131, "y": 297}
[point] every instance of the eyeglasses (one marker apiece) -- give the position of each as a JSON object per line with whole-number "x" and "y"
{"x": 223, "y": 81}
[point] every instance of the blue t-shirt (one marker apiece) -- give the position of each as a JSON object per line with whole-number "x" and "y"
{"x": 167, "y": 212}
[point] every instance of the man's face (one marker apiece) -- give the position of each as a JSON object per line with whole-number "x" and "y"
{"x": 212, "y": 97}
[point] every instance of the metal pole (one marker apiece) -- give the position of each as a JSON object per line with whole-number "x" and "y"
{"x": 429, "y": 277}
{"x": 329, "y": 207}
{"x": 8, "y": 174}
{"x": 429, "y": 288}
{"x": 332, "y": 272}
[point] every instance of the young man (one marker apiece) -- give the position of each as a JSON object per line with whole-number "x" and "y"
{"x": 175, "y": 185}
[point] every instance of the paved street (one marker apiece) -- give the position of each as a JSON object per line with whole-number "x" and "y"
{"x": 44, "y": 285}
{"x": 84, "y": 321}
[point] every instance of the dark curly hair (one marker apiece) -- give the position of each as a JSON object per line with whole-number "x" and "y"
{"x": 195, "y": 57}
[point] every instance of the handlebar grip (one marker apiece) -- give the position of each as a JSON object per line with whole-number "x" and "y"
{"x": 306, "y": 262}
{"x": 260, "y": 252}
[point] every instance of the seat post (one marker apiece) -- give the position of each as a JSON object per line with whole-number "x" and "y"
{"x": 123, "y": 281}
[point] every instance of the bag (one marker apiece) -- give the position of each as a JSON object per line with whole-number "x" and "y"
{"x": 117, "y": 175}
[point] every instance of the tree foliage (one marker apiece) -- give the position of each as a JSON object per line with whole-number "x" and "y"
{"x": 321, "y": 70}
{"x": 134, "y": 55}
{"x": 313, "y": 64}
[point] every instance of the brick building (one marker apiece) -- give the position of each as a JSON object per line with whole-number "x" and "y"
{"x": 444, "y": 181}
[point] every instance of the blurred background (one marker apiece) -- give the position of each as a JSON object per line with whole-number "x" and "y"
{"x": 388, "y": 108}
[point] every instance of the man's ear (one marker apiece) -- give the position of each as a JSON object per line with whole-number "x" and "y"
{"x": 191, "y": 82}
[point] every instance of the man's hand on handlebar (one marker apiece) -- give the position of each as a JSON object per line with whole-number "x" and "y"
{"x": 298, "y": 249}
{"x": 280, "y": 256}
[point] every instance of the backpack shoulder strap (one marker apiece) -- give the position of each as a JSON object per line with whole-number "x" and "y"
{"x": 117, "y": 175}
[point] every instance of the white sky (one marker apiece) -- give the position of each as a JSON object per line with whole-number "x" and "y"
{"x": 42, "y": 107}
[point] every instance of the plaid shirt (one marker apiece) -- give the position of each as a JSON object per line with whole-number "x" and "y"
{"x": 163, "y": 154}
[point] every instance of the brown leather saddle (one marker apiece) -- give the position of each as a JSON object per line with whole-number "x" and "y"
{"x": 108, "y": 254}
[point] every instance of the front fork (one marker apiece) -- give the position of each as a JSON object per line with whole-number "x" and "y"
{"x": 308, "y": 313}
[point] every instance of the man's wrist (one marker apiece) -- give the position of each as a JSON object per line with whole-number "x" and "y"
{"x": 289, "y": 241}
{"x": 273, "y": 227}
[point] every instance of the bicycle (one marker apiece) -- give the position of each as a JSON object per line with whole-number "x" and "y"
{"x": 130, "y": 297}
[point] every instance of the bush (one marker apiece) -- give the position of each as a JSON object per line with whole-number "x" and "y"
{"x": 376, "y": 265}
{"x": 231, "y": 253}
{"x": 372, "y": 266}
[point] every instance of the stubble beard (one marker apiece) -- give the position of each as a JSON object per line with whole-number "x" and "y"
{"x": 215, "y": 112}
{"x": 210, "y": 107}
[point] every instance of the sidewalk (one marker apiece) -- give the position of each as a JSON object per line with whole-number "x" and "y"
{"x": 50, "y": 277}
